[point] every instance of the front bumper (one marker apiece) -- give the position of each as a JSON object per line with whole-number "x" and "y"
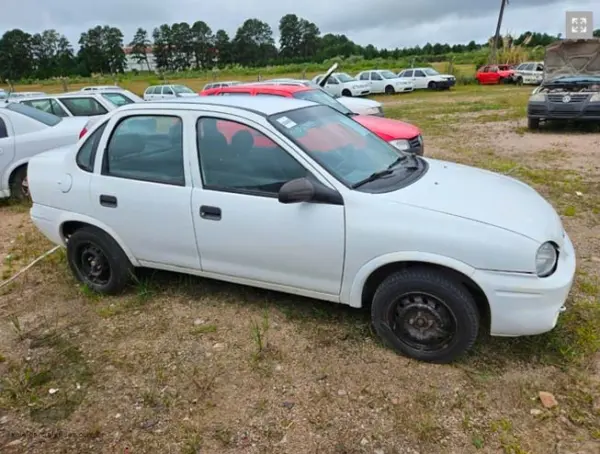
{"x": 451, "y": 82}
{"x": 404, "y": 88}
{"x": 364, "y": 91}
{"x": 524, "y": 305}
{"x": 564, "y": 111}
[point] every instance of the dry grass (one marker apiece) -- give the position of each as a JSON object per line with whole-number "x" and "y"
{"x": 186, "y": 365}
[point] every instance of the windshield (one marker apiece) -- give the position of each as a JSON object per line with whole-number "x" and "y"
{"x": 431, "y": 72}
{"x": 35, "y": 114}
{"x": 348, "y": 150}
{"x": 343, "y": 77}
{"x": 182, "y": 89}
{"x": 388, "y": 75}
{"x": 322, "y": 97}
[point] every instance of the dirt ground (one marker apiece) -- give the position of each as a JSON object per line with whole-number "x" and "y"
{"x": 186, "y": 365}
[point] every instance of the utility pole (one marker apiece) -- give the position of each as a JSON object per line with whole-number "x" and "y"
{"x": 494, "y": 51}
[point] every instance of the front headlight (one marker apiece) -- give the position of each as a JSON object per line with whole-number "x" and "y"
{"x": 595, "y": 97}
{"x": 537, "y": 97}
{"x": 545, "y": 259}
{"x": 400, "y": 144}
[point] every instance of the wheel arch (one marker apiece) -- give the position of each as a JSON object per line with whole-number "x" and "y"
{"x": 373, "y": 273}
{"x": 68, "y": 227}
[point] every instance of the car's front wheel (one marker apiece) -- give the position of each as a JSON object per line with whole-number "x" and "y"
{"x": 425, "y": 314}
{"x": 98, "y": 261}
{"x": 389, "y": 90}
{"x": 533, "y": 123}
{"x": 347, "y": 93}
{"x": 19, "y": 187}
{"x": 432, "y": 85}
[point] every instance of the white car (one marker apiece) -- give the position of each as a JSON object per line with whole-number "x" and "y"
{"x": 25, "y": 132}
{"x": 156, "y": 92}
{"x": 530, "y": 73}
{"x": 297, "y": 197}
{"x": 361, "y": 106}
{"x": 384, "y": 81}
{"x": 342, "y": 84}
{"x": 225, "y": 83}
{"x": 81, "y": 103}
{"x": 423, "y": 78}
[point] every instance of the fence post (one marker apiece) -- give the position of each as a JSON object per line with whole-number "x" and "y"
{"x": 304, "y": 73}
{"x": 64, "y": 84}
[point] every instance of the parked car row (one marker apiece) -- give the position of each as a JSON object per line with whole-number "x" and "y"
{"x": 528, "y": 73}
{"x": 288, "y": 194}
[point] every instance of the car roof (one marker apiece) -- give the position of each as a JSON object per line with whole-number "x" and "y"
{"x": 262, "y": 106}
{"x": 264, "y": 88}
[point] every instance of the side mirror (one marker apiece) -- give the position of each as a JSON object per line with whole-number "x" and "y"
{"x": 296, "y": 191}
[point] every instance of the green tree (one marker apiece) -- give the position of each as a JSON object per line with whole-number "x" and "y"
{"x": 597, "y": 33}
{"x": 112, "y": 47}
{"x": 65, "y": 57}
{"x": 223, "y": 48}
{"x": 290, "y": 37}
{"x": 139, "y": 47}
{"x": 182, "y": 46}
{"x": 44, "y": 48}
{"x": 253, "y": 44}
{"x": 163, "y": 47}
{"x": 203, "y": 44}
{"x": 310, "y": 39}
{"x": 16, "y": 60}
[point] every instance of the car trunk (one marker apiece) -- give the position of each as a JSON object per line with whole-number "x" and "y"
{"x": 569, "y": 58}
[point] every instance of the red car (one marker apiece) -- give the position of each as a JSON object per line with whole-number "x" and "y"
{"x": 495, "y": 74}
{"x": 401, "y": 135}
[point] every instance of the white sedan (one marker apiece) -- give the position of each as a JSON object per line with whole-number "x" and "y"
{"x": 384, "y": 81}
{"x": 293, "y": 196}
{"x": 25, "y": 132}
{"x": 342, "y": 84}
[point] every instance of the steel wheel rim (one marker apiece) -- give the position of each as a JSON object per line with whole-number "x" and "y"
{"x": 422, "y": 321}
{"x": 25, "y": 187}
{"x": 93, "y": 264}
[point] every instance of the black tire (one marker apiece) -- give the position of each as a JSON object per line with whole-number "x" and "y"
{"x": 533, "y": 123}
{"x": 432, "y": 85}
{"x": 113, "y": 272}
{"x": 347, "y": 92}
{"x": 519, "y": 81}
{"x": 19, "y": 189}
{"x": 389, "y": 90}
{"x": 426, "y": 296}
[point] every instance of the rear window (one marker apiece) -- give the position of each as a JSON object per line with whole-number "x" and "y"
{"x": 43, "y": 117}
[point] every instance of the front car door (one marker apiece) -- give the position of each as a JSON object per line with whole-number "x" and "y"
{"x": 167, "y": 92}
{"x": 377, "y": 82}
{"x": 333, "y": 86}
{"x": 141, "y": 187}
{"x": 420, "y": 79}
{"x": 243, "y": 232}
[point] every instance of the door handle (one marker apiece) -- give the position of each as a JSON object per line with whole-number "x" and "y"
{"x": 207, "y": 212}
{"x": 109, "y": 201}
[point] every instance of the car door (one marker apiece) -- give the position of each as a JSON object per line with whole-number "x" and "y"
{"x": 242, "y": 229}
{"x": 7, "y": 149}
{"x": 377, "y": 82}
{"x": 167, "y": 92}
{"x": 420, "y": 79}
{"x": 333, "y": 86}
{"x": 141, "y": 187}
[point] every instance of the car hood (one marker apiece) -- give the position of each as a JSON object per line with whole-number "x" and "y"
{"x": 485, "y": 197}
{"x": 569, "y": 58}
{"x": 386, "y": 128}
{"x": 187, "y": 95}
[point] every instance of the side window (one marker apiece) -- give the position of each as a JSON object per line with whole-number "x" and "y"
{"x": 419, "y": 73}
{"x": 485, "y": 69}
{"x": 3, "y": 129}
{"x": 87, "y": 153}
{"x": 84, "y": 107}
{"x": 117, "y": 99}
{"x": 332, "y": 81}
{"x": 376, "y": 76}
{"x": 235, "y": 157}
{"x": 528, "y": 67}
{"x": 147, "y": 148}
{"x": 167, "y": 91}
{"x": 364, "y": 76}
{"x": 408, "y": 73}
{"x": 39, "y": 104}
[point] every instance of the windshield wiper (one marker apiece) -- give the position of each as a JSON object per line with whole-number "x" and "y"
{"x": 374, "y": 176}
{"x": 397, "y": 161}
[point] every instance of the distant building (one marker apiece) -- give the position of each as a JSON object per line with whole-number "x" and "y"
{"x": 132, "y": 63}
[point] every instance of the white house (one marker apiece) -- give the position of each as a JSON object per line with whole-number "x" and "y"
{"x": 132, "y": 63}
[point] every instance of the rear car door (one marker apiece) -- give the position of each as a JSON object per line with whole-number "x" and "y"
{"x": 141, "y": 187}
{"x": 377, "y": 82}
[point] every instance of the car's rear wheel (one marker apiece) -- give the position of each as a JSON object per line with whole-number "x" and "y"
{"x": 19, "y": 187}
{"x": 425, "y": 314}
{"x": 389, "y": 90}
{"x": 432, "y": 85}
{"x": 98, "y": 261}
{"x": 533, "y": 123}
{"x": 346, "y": 92}
{"x": 519, "y": 81}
